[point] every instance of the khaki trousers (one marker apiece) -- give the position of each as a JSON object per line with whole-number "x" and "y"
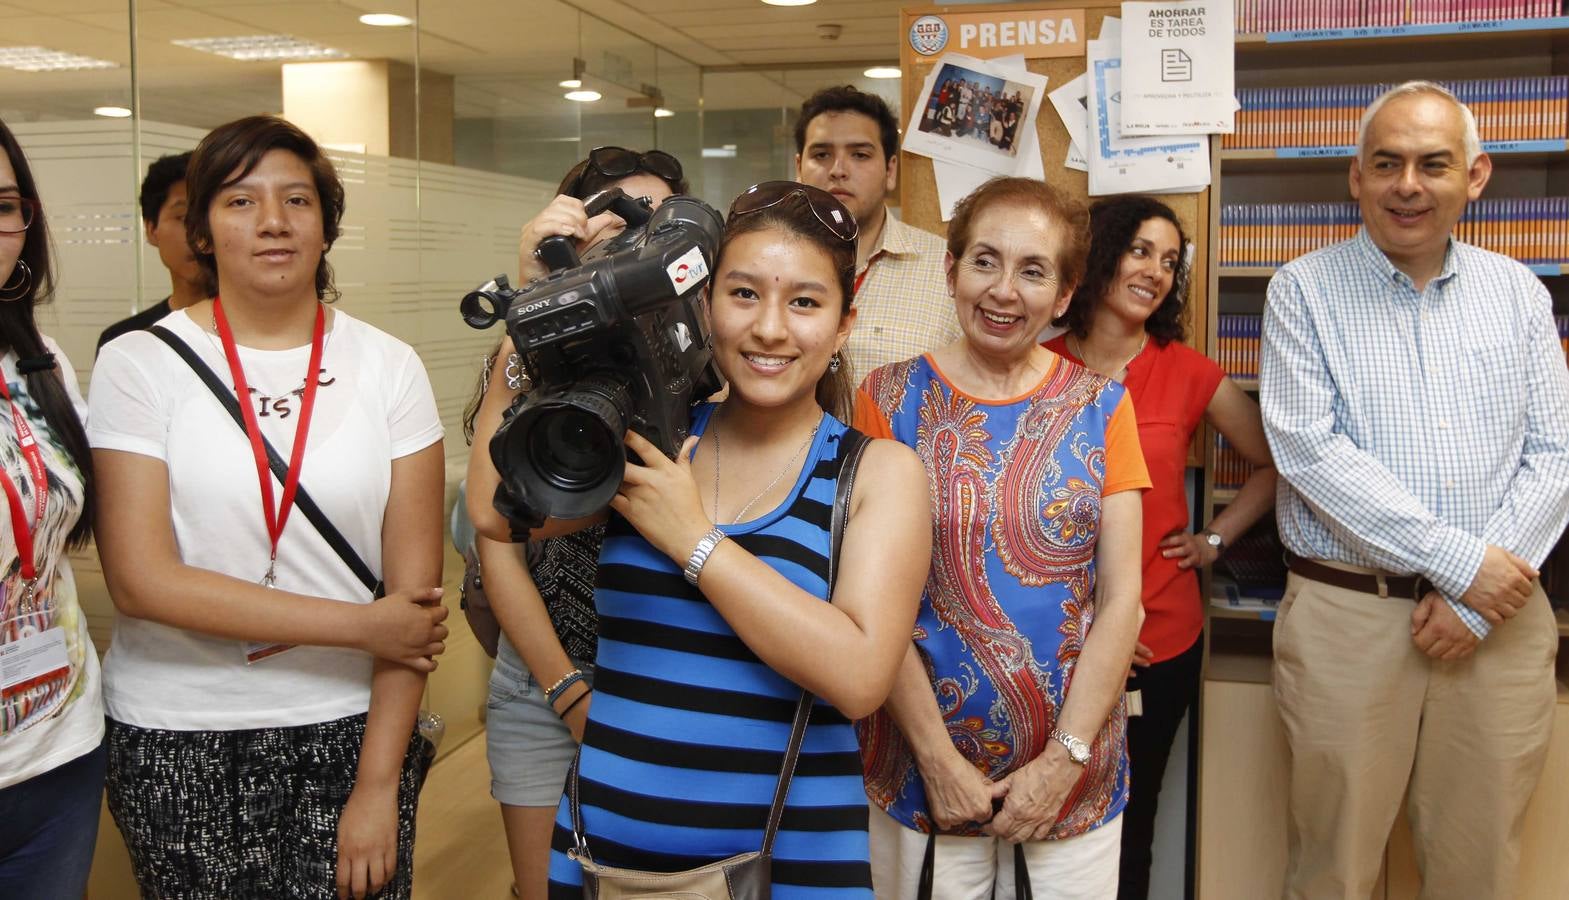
{"x": 1369, "y": 716}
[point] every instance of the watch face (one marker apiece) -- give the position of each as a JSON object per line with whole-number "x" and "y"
{"x": 1213, "y": 540}
{"x": 1080, "y": 754}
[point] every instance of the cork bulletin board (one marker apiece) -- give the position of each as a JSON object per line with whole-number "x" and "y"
{"x": 1052, "y": 35}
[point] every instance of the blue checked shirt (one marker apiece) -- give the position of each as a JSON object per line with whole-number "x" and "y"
{"x": 1413, "y": 428}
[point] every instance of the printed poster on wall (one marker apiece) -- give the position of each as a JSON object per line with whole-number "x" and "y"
{"x": 1121, "y": 165}
{"x": 1178, "y": 68}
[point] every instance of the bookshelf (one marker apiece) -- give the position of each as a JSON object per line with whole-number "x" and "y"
{"x": 1242, "y": 768}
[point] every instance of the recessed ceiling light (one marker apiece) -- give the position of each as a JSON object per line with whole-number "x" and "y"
{"x": 385, "y": 20}
{"x": 882, "y": 72}
{"x": 42, "y": 59}
{"x": 572, "y": 84}
{"x": 725, "y": 152}
{"x": 583, "y": 96}
{"x": 112, "y": 112}
{"x": 789, "y": 2}
{"x": 263, "y": 47}
{"x": 662, "y": 113}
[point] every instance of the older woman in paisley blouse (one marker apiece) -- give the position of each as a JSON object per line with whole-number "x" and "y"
{"x": 1002, "y": 745}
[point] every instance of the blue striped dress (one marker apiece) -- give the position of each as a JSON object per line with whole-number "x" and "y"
{"x": 688, "y": 727}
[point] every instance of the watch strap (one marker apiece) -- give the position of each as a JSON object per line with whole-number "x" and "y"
{"x": 704, "y": 549}
{"x": 1078, "y": 749}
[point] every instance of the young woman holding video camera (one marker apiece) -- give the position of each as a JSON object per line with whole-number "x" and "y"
{"x": 698, "y": 677}
{"x": 546, "y": 611}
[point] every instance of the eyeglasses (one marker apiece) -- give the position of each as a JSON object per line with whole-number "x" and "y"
{"x": 619, "y": 162}
{"x": 827, "y": 208}
{"x": 16, "y": 213}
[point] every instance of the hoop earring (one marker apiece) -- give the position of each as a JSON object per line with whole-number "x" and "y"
{"x": 8, "y": 292}
{"x": 834, "y": 363}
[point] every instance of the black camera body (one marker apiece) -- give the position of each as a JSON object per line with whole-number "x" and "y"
{"x": 611, "y": 342}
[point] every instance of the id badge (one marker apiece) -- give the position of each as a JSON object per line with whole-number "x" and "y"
{"x": 255, "y": 652}
{"x": 33, "y": 660}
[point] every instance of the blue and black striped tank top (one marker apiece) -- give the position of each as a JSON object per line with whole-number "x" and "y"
{"x": 688, "y": 727}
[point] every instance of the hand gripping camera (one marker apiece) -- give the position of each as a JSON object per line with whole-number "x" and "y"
{"x": 611, "y": 342}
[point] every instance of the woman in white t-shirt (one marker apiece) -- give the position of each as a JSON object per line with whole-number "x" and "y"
{"x": 51, "y": 709}
{"x": 261, "y": 703}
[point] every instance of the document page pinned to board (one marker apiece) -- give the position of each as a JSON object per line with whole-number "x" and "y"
{"x": 1178, "y": 68}
{"x": 1131, "y": 165}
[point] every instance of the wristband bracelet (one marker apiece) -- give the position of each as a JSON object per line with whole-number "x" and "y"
{"x": 554, "y": 692}
{"x": 574, "y": 703}
{"x": 705, "y": 548}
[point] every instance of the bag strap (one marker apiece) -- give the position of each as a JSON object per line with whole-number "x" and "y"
{"x": 280, "y": 469}
{"x": 1021, "y": 872}
{"x": 851, "y": 446}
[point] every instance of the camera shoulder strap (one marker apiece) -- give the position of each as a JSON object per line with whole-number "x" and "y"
{"x": 302, "y": 499}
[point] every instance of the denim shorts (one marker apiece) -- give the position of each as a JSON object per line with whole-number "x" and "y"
{"x": 527, "y": 744}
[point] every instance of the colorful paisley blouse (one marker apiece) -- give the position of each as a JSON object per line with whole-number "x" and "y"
{"x": 1016, "y": 491}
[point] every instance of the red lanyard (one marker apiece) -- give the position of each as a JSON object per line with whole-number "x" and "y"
{"x": 291, "y": 482}
{"x": 13, "y": 495}
{"x": 861, "y": 278}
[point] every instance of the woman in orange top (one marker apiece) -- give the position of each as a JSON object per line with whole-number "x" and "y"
{"x": 1125, "y": 322}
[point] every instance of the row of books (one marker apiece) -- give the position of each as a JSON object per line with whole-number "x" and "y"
{"x": 1533, "y": 230}
{"x": 1230, "y": 468}
{"x": 1236, "y": 350}
{"x": 1236, "y": 345}
{"x": 1506, "y": 109}
{"x": 1299, "y": 15}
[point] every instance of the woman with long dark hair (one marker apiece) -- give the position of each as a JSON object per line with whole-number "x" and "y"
{"x": 51, "y": 704}
{"x": 546, "y": 611}
{"x": 1126, "y": 323}
{"x": 712, "y": 592}
{"x": 261, "y": 698}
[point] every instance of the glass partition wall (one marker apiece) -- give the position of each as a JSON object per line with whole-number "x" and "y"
{"x": 451, "y": 124}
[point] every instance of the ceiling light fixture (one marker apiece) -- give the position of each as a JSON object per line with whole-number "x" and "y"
{"x": 662, "y": 113}
{"x": 882, "y": 72}
{"x": 583, "y": 96}
{"x": 386, "y": 20}
{"x": 789, "y": 2}
{"x": 262, "y": 47}
{"x": 112, "y": 112}
{"x": 571, "y": 84}
{"x": 42, "y": 59}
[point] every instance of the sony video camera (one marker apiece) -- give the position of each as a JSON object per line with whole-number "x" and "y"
{"x": 611, "y": 342}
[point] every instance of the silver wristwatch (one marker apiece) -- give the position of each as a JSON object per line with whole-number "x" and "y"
{"x": 1078, "y": 750}
{"x": 1214, "y": 540}
{"x": 705, "y": 547}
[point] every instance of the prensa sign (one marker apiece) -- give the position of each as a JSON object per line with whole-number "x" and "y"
{"x": 1010, "y": 31}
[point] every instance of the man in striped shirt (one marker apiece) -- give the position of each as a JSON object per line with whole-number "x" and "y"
{"x": 847, "y": 143}
{"x": 1417, "y": 403}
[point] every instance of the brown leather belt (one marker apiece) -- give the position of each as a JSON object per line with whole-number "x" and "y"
{"x": 1409, "y": 586}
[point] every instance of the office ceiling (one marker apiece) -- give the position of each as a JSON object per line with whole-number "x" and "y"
{"x": 506, "y": 55}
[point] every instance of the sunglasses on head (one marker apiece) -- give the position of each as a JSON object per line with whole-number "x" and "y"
{"x": 619, "y": 162}
{"x": 829, "y": 211}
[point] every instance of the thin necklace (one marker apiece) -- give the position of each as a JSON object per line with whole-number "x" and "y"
{"x": 1125, "y": 363}
{"x": 741, "y": 516}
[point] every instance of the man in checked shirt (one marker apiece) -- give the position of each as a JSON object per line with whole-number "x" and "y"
{"x": 847, "y": 143}
{"x": 1417, "y": 403}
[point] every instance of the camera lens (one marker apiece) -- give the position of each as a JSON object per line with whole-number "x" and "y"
{"x": 561, "y": 449}
{"x": 572, "y": 449}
